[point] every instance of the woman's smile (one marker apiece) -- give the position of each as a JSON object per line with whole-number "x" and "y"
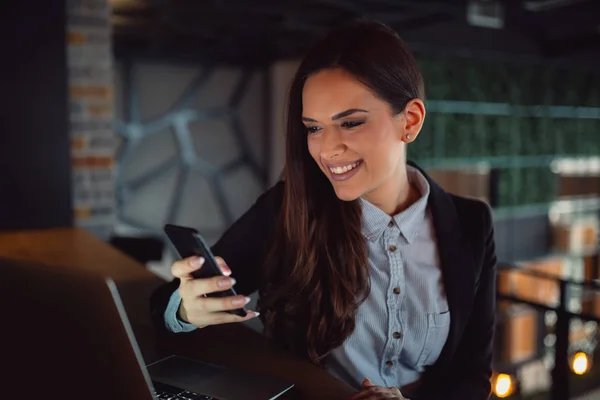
{"x": 343, "y": 171}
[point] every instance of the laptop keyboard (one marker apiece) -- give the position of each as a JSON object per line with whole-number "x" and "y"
{"x": 163, "y": 391}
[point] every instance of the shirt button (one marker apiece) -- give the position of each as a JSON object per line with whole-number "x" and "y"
{"x": 390, "y": 224}
{"x": 392, "y": 248}
{"x": 388, "y": 363}
{"x": 396, "y": 335}
{"x": 396, "y": 290}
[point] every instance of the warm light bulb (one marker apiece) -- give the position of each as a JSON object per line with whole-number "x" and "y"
{"x": 503, "y": 387}
{"x": 580, "y": 363}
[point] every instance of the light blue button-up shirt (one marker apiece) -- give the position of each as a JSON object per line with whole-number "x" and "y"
{"x": 403, "y": 324}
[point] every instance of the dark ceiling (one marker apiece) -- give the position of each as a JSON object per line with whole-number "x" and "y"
{"x": 256, "y": 32}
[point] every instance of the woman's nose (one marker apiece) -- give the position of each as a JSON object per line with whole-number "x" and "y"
{"x": 331, "y": 145}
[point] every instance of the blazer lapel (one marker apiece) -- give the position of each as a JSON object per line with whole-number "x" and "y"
{"x": 457, "y": 263}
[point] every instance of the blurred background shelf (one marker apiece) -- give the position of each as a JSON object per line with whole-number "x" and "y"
{"x": 512, "y": 161}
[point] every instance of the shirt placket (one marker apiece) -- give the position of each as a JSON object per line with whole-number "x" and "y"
{"x": 395, "y": 291}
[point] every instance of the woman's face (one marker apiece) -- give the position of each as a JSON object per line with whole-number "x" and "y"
{"x": 352, "y": 135}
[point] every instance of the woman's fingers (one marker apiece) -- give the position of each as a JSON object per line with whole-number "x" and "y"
{"x": 223, "y": 265}
{"x": 366, "y": 383}
{"x": 199, "y": 309}
{"x": 200, "y": 287}
{"x": 216, "y": 304}
{"x": 204, "y": 319}
{"x": 183, "y": 269}
{"x": 371, "y": 392}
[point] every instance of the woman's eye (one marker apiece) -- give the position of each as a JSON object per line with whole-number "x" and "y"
{"x": 351, "y": 124}
{"x": 312, "y": 129}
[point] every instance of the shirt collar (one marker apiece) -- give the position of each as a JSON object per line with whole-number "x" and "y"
{"x": 374, "y": 220}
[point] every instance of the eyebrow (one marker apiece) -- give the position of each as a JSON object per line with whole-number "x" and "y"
{"x": 339, "y": 115}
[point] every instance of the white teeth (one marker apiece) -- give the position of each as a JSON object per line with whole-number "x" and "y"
{"x": 344, "y": 169}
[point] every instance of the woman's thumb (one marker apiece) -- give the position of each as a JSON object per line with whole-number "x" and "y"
{"x": 367, "y": 382}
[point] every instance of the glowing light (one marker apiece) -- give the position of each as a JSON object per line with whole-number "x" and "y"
{"x": 580, "y": 364}
{"x": 503, "y": 386}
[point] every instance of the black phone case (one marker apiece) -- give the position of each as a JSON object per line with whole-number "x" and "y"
{"x": 188, "y": 242}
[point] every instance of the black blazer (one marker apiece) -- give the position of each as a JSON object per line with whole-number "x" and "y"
{"x": 465, "y": 239}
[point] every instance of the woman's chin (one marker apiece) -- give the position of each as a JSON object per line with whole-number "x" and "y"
{"x": 346, "y": 193}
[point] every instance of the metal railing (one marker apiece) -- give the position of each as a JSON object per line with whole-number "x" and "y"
{"x": 560, "y": 386}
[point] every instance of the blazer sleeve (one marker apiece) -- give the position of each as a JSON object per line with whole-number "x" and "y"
{"x": 243, "y": 247}
{"x": 471, "y": 366}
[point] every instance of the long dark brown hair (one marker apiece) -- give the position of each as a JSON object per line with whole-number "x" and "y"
{"x": 317, "y": 273}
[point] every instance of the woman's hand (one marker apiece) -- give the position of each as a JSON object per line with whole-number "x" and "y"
{"x": 368, "y": 391}
{"x": 195, "y": 307}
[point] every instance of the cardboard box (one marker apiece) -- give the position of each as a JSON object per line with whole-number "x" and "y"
{"x": 590, "y": 304}
{"x": 579, "y": 236}
{"x": 578, "y": 185}
{"x": 473, "y": 181}
{"x": 591, "y": 267}
{"x": 520, "y": 334}
{"x": 539, "y": 290}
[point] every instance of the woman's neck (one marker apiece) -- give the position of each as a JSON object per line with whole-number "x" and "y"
{"x": 394, "y": 196}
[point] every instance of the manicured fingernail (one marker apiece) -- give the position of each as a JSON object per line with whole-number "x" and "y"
{"x": 241, "y": 301}
{"x": 226, "y": 282}
{"x": 256, "y": 313}
{"x": 197, "y": 261}
{"x": 226, "y": 270}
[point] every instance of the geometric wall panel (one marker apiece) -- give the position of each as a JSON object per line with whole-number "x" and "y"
{"x": 186, "y": 155}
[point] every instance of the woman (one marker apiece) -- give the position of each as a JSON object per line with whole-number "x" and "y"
{"x": 363, "y": 264}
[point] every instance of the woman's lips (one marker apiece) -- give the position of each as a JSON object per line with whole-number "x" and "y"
{"x": 343, "y": 172}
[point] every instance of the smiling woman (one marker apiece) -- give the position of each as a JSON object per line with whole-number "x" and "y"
{"x": 367, "y": 139}
{"x": 363, "y": 264}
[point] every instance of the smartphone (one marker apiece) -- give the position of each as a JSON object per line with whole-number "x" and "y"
{"x": 188, "y": 242}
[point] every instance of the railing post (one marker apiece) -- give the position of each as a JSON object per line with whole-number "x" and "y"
{"x": 560, "y": 372}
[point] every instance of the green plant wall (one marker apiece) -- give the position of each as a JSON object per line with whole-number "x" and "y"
{"x": 472, "y": 117}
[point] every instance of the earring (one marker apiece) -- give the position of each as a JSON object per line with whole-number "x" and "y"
{"x": 408, "y": 137}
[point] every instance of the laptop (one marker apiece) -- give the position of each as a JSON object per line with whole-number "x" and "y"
{"x": 65, "y": 334}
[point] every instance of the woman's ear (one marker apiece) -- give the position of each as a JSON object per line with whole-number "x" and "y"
{"x": 414, "y": 116}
